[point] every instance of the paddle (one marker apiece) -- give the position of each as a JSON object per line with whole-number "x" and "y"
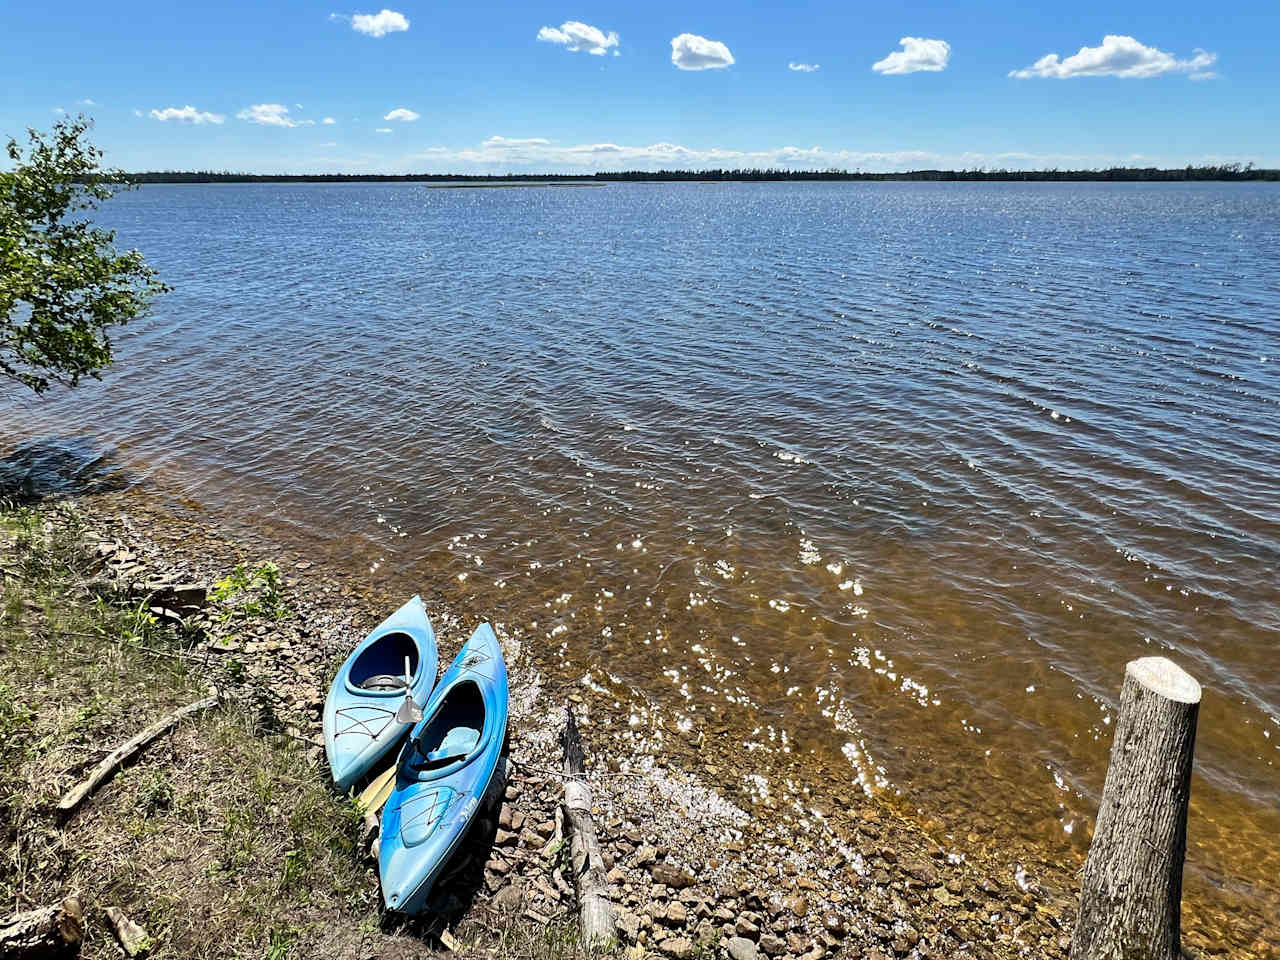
{"x": 409, "y": 711}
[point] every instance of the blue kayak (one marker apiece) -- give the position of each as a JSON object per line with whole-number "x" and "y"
{"x": 443, "y": 772}
{"x": 397, "y": 659}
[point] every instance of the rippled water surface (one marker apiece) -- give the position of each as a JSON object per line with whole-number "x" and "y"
{"x": 897, "y": 474}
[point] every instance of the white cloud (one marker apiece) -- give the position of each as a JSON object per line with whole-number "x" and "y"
{"x": 691, "y": 52}
{"x": 402, "y": 114}
{"x": 1119, "y": 56}
{"x": 383, "y": 130}
{"x": 917, "y": 53}
{"x": 87, "y": 102}
{"x": 187, "y": 114}
{"x": 271, "y": 115}
{"x": 539, "y": 155}
{"x": 804, "y": 67}
{"x": 138, "y": 113}
{"x": 580, "y": 37}
{"x": 328, "y": 121}
{"x": 379, "y": 24}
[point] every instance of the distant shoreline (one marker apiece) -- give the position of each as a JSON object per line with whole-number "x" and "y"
{"x": 1224, "y": 173}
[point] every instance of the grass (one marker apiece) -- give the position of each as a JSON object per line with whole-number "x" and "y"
{"x": 223, "y": 840}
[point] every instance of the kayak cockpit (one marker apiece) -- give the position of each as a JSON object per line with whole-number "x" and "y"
{"x": 454, "y": 731}
{"x": 380, "y": 667}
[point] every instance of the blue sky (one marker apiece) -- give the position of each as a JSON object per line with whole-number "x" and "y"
{"x": 483, "y": 87}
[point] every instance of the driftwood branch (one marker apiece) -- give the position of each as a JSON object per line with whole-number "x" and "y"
{"x": 48, "y": 932}
{"x": 133, "y": 939}
{"x": 595, "y": 913}
{"x": 124, "y": 753}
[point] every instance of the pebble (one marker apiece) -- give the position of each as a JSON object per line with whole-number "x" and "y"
{"x": 740, "y": 948}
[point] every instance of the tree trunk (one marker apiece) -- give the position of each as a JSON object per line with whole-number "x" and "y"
{"x": 1131, "y": 892}
{"x": 595, "y": 913}
{"x": 47, "y": 932}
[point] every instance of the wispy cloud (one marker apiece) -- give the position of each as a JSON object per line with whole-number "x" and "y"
{"x": 374, "y": 24}
{"x": 87, "y": 102}
{"x": 917, "y": 54}
{"x": 187, "y": 114}
{"x": 692, "y": 52}
{"x": 804, "y": 67}
{"x": 1119, "y": 56}
{"x": 271, "y": 115}
{"x": 580, "y": 38}
{"x": 328, "y": 121}
{"x": 383, "y": 130}
{"x": 402, "y": 114}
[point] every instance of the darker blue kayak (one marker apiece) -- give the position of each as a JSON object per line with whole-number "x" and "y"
{"x": 396, "y": 660}
{"x": 443, "y": 772}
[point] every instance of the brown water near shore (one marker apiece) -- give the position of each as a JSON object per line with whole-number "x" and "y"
{"x": 866, "y": 507}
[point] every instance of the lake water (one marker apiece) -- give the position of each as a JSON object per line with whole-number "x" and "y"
{"x": 889, "y": 479}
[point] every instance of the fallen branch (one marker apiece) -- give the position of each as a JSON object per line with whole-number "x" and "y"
{"x": 48, "y": 932}
{"x": 122, "y": 754}
{"x": 595, "y": 913}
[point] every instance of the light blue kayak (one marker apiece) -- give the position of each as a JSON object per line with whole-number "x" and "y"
{"x": 360, "y": 725}
{"x": 443, "y": 772}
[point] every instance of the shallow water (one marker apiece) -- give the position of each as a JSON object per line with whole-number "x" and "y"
{"x": 900, "y": 474}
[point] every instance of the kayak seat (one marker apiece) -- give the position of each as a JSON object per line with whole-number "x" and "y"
{"x": 383, "y": 681}
{"x": 457, "y": 743}
{"x": 453, "y": 730}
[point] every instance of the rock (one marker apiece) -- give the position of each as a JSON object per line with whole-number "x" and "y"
{"x": 505, "y": 838}
{"x": 674, "y": 877}
{"x": 616, "y": 875}
{"x": 745, "y": 928}
{"x": 645, "y": 855}
{"x": 835, "y": 926}
{"x": 677, "y": 915}
{"x": 817, "y": 953}
{"x": 499, "y": 866}
{"x": 797, "y": 905}
{"x": 628, "y": 925}
{"x": 772, "y": 945}
{"x": 679, "y": 947}
{"x": 796, "y": 943}
{"x": 509, "y": 898}
{"x": 740, "y": 948}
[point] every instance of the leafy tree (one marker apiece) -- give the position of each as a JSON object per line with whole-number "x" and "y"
{"x": 63, "y": 284}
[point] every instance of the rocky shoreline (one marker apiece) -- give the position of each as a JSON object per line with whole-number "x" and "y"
{"x": 691, "y": 871}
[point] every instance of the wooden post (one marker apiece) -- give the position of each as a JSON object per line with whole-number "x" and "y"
{"x": 595, "y": 913}
{"x": 47, "y": 932}
{"x": 1131, "y": 892}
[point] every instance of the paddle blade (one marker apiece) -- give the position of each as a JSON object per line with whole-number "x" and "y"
{"x": 409, "y": 711}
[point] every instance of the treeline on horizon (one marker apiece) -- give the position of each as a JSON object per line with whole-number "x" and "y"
{"x": 1220, "y": 172}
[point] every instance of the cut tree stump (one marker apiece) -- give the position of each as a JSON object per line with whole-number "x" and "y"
{"x": 1131, "y": 891}
{"x": 595, "y": 912}
{"x": 122, "y": 754}
{"x": 48, "y": 932}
